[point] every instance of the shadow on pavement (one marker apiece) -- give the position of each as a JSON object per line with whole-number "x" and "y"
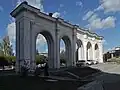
{"x": 104, "y": 81}
{"x": 75, "y": 80}
{"x": 110, "y": 81}
{"x": 10, "y": 81}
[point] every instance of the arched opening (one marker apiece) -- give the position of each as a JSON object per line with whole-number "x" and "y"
{"x": 68, "y": 52}
{"x": 89, "y": 51}
{"x": 96, "y": 52}
{"x": 79, "y": 50}
{"x": 62, "y": 54}
{"x": 45, "y": 48}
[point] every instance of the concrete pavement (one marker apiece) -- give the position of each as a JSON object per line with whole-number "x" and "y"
{"x": 108, "y": 67}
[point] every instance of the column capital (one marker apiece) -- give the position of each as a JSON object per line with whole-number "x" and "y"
{"x": 85, "y": 43}
{"x": 32, "y": 22}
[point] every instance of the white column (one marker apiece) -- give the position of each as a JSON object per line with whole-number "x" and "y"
{"x": 17, "y": 66}
{"x": 79, "y": 53}
{"x": 82, "y": 54}
{"x": 74, "y": 47}
{"x": 89, "y": 53}
{"x": 33, "y": 46}
{"x": 85, "y": 50}
{"x": 57, "y": 49}
{"x": 23, "y": 43}
{"x": 94, "y": 52}
{"x": 74, "y": 52}
{"x": 101, "y": 53}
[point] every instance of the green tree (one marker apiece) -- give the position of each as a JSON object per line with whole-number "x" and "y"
{"x": 1, "y": 50}
{"x": 7, "y": 48}
{"x": 62, "y": 54}
{"x": 62, "y": 57}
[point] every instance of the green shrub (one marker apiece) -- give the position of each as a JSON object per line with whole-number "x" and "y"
{"x": 12, "y": 59}
{"x": 7, "y": 60}
{"x": 3, "y": 61}
{"x": 40, "y": 59}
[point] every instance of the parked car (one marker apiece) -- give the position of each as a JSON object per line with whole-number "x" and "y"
{"x": 63, "y": 65}
{"x": 80, "y": 63}
{"x": 95, "y": 62}
{"x": 89, "y": 62}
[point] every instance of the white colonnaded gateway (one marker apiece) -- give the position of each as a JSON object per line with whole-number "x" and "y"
{"x": 30, "y": 22}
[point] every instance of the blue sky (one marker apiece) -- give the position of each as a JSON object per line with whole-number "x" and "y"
{"x": 100, "y": 16}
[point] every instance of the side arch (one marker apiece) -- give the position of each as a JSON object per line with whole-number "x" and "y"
{"x": 68, "y": 50}
{"x": 96, "y": 48}
{"x": 89, "y": 51}
{"x": 80, "y": 50}
{"x": 50, "y": 43}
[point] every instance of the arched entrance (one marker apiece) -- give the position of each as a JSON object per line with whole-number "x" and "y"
{"x": 41, "y": 49}
{"x": 96, "y": 52}
{"x": 80, "y": 50}
{"x": 89, "y": 51}
{"x": 62, "y": 54}
{"x": 50, "y": 44}
{"x": 68, "y": 51}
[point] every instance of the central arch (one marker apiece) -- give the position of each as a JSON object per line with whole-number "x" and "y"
{"x": 89, "y": 51}
{"x": 68, "y": 50}
{"x": 80, "y": 50}
{"x": 50, "y": 44}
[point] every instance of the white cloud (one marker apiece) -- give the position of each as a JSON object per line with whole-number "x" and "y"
{"x": 109, "y": 22}
{"x": 56, "y": 15}
{"x": 99, "y": 8}
{"x": 64, "y": 12}
{"x": 79, "y": 3}
{"x": 109, "y": 5}
{"x": 96, "y": 22}
{"x": 93, "y": 17}
{"x": 62, "y": 49}
{"x": 11, "y": 28}
{"x": 61, "y": 5}
{"x": 40, "y": 40}
{"x": 41, "y": 43}
{"x": 88, "y": 15}
{"x": 1, "y": 8}
{"x": 104, "y": 42}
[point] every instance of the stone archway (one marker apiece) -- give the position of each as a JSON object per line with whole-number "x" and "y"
{"x": 30, "y": 22}
{"x": 89, "y": 51}
{"x": 50, "y": 44}
{"x": 68, "y": 51}
{"x": 96, "y": 52}
{"x": 80, "y": 50}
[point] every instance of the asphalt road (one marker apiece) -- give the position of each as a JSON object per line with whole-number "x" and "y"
{"x": 109, "y": 79}
{"x": 108, "y": 67}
